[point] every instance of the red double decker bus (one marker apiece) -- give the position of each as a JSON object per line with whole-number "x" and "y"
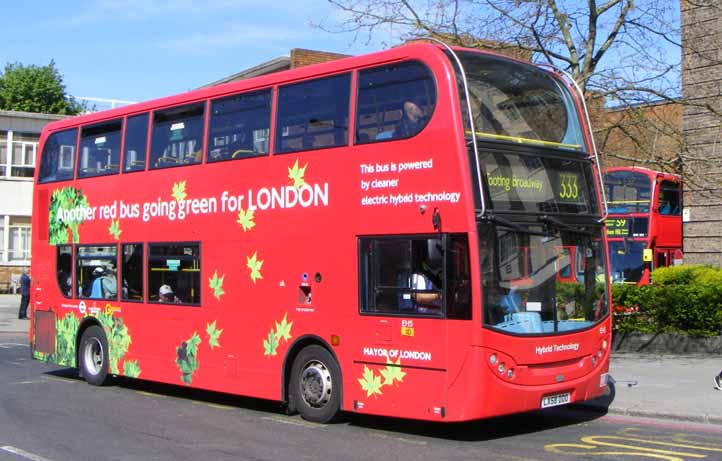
{"x": 378, "y": 234}
{"x": 644, "y": 226}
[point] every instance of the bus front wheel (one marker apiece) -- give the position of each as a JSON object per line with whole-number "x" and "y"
{"x": 94, "y": 356}
{"x": 316, "y": 385}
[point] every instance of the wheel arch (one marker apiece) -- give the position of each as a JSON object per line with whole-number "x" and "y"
{"x": 298, "y": 345}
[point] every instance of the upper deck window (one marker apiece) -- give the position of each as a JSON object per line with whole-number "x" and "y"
{"x": 519, "y": 103}
{"x": 58, "y": 156}
{"x": 136, "y": 139}
{"x": 177, "y": 136}
{"x": 100, "y": 149}
{"x": 394, "y": 101}
{"x": 313, "y": 114}
{"x": 628, "y": 191}
{"x": 669, "y": 198}
{"x": 240, "y": 126}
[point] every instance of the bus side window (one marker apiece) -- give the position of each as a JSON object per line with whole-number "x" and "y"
{"x": 58, "y": 156}
{"x": 100, "y": 149}
{"x": 394, "y": 101}
{"x": 240, "y": 126}
{"x": 95, "y": 271}
{"x": 177, "y": 136}
{"x": 174, "y": 269}
{"x": 402, "y": 275}
{"x": 458, "y": 278}
{"x": 136, "y": 140}
{"x": 64, "y": 269}
{"x": 669, "y": 198}
{"x": 313, "y": 114}
{"x": 132, "y": 267}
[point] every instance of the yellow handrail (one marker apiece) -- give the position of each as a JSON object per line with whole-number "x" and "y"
{"x": 522, "y": 140}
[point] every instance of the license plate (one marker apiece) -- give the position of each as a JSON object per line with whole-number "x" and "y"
{"x": 556, "y": 399}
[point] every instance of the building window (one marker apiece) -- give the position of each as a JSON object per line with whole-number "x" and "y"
{"x": 174, "y": 273}
{"x": 240, "y": 126}
{"x": 136, "y": 139}
{"x": 394, "y": 101}
{"x": 132, "y": 268}
{"x": 58, "y": 156}
{"x": 3, "y": 152}
{"x": 95, "y": 272}
{"x": 100, "y": 149}
{"x": 19, "y": 243}
{"x": 313, "y": 114}
{"x": 2, "y": 242}
{"x": 177, "y": 136}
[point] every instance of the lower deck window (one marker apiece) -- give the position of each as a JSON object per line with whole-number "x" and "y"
{"x": 174, "y": 273}
{"x": 95, "y": 272}
{"x": 417, "y": 275}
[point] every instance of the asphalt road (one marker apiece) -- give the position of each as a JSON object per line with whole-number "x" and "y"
{"x": 48, "y": 414}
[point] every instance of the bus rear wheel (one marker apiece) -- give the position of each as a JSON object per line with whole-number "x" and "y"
{"x": 93, "y": 356}
{"x": 316, "y": 385}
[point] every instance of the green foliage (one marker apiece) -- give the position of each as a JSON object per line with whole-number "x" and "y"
{"x": 118, "y": 339}
{"x": 681, "y": 299}
{"x": 370, "y": 382}
{"x": 66, "y": 330}
{"x": 36, "y": 89}
{"x": 114, "y": 229}
{"x": 187, "y": 357}
{"x": 131, "y": 368}
{"x": 66, "y": 198}
{"x": 391, "y": 374}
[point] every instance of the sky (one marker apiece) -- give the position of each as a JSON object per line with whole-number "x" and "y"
{"x": 138, "y": 50}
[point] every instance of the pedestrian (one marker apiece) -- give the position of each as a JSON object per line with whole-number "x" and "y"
{"x": 718, "y": 381}
{"x": 24, "y": 294}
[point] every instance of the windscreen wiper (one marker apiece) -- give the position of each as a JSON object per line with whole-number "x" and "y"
{"x": 492, "y": 218}
{"x": 558, "y": 224}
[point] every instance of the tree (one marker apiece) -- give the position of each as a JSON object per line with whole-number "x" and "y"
{"x": 622, "y": 53}
{"x": 36, "y": 89}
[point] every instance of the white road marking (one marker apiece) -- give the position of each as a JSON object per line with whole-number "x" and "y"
{"x": 293, "y": 422}
{"x": 23, "y": 453}
{"x": 12, "y": 345}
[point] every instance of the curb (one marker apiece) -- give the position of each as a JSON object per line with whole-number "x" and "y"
{"x": 636, "y": 412}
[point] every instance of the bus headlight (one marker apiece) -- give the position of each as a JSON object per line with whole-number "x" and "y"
{"x": 501, "y": 368}
{"x": 492, "y": 359}
{"x": 509, "y": 373}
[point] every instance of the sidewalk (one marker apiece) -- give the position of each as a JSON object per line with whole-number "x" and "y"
{"x": 9, "y": 321}
{"x": 665, "y": 386}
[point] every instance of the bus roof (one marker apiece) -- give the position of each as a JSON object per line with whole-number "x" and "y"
{"x": 645, "y": 171}
{"x": 277, "y": 78}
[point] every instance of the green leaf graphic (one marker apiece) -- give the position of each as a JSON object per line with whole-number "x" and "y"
{"x": 296, "y": 174}
{"x": 216, "y": 284}
{"x": 392, "y": 373}
{"x": 114, "y": 229}
{"x": 370, "y": 382}
{"x": 271, "y": 344}
{"x": 255, "y": 265}
{"x": 283, "y": 329}
{"x": 246, "y": 220}
{"x": 179, "y": 191}
{"x": 213, "y": 334}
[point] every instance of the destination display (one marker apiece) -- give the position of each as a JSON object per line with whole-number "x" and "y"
{"x": 537, "y": 184}
{"x": 626, "y": 227}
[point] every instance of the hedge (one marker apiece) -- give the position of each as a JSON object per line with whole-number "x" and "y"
{"x": 681, "y": 299}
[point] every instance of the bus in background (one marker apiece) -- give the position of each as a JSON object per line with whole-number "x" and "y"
{"x": 644, "y": 226}
{"x": 377, "y": 234}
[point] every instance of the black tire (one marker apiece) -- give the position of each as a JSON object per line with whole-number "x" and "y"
{"x": 93, "y": 356}
{"x": 316, "y": 385}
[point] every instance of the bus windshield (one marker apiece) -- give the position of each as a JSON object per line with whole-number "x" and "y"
{"x": 526, "y": 284}
{"x": 516, "y": 102}
{"x": 628, "y": 191}
{"x": 626, "y": 261}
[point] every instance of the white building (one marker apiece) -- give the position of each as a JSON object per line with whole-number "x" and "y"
{"x": 19, "y": 135}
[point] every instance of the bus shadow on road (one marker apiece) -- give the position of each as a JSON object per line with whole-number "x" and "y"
{"x": 180, "y": 392}
{"x": 480, "y": 430}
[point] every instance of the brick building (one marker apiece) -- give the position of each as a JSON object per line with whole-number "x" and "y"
{"x": 702, "y": 87}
